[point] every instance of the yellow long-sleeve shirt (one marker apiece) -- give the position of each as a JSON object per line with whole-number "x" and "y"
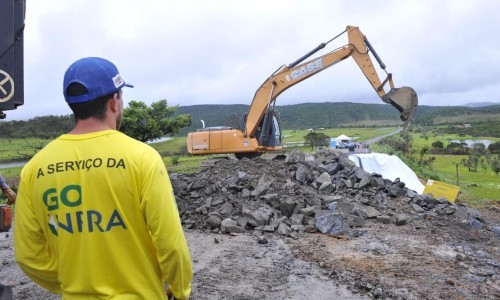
{"x": 96, "y": 218}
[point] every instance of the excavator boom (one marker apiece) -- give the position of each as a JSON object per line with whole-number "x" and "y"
{"x": 260, "y": 131}
{"x": 359, "y": 48}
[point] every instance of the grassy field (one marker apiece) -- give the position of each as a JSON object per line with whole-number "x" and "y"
{"x": 361, "y": 134}
{"x": 477, "y": 188}
{"x": 19, "y": 149}
{"x": 174, "y": 145}
{"x": 185, "y": 164}
{"x": 465, "y": 118}
{"x": 420, "y": 140}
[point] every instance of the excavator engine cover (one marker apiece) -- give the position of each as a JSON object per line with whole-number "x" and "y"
{"x": 403, "y": 99}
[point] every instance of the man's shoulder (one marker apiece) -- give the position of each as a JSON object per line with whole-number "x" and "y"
{"x": 132, "y": 144}
{"x": 127, "y": 139}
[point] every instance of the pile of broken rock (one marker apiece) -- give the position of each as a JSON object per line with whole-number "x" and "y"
{"x": 300, "y": 192}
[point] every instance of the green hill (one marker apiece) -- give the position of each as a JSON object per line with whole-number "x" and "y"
{"x": 339, "y": 114}
{"x": 293, "y": 117}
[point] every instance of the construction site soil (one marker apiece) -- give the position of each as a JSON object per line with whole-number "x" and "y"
{"x": 305, "y": 226}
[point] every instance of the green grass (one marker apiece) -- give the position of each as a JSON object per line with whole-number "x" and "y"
{"x": 476, "y": 188}
{"x": 362, "y": 134}
{"x": 19, "y": 149}
{"x": 174, "y": 145}
{"x": 464, "y": 118}
{"x": 186, "y": 164}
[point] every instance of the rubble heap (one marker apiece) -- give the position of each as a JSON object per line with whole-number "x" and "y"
{"x": 301, "y": 192}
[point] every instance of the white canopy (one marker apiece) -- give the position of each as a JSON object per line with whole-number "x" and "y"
{"x": 342, "y": 137}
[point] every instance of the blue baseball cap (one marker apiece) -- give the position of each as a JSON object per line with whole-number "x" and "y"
{"x": 99, "y": 76}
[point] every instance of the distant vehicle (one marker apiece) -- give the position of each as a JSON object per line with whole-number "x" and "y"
{"x": 12, "y": 13}
{"x": 260, "y": 130}
{"x": 345, "y": 145}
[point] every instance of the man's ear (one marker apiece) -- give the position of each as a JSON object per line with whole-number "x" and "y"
{"x": 114, "y": 103}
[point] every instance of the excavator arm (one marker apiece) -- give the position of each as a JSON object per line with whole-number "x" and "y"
{"x": 403, "y": 99}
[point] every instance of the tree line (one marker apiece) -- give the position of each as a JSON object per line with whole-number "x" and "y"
{"x": 294, "y": 117}
{"x": 488, "y": 128}
{"x": 139, "y": 121}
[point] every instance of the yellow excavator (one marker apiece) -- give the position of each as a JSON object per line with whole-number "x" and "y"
{"x": 260, "y": 130}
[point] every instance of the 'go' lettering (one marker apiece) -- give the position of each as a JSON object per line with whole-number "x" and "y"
{"x": 70, "y": 196}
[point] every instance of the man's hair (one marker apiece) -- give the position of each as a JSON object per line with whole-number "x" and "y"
{"x": 90, "y": 109}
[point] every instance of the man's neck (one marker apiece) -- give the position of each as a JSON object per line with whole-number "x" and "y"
{"x": 91, "y": 125}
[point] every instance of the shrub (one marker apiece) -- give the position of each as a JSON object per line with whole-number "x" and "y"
{"x": 494, "y": 148}
{"x": 438, "y": 145}
{"x": 175, "y": 160}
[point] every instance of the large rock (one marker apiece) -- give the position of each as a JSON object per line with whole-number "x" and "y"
{"x": 295, "y": 156}
{"x": 230, "y": 226}
{"x": 324, "y": 178}
{"x": 262, "y": 215}
{"x": 326, "y": 188}
{"x": 330, "y": 223}
{"x": 287, "y": 208}
{"x": 271, "y": 199}
{"x": 214, "y": 221}
{"x": 301, "y": 174}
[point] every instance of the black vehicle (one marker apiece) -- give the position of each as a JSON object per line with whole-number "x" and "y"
{"x": 12, "y": 13}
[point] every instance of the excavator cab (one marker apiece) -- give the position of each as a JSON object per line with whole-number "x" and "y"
{"x": 268, "y": 132}
{"x": 267, "y": 135}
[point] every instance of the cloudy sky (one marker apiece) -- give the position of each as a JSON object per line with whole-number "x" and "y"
{"x": 220, "y": 51}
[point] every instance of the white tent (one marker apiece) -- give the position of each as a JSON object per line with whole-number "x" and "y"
{"x": 390, "y": 167}
{"x": 342, "y": 137}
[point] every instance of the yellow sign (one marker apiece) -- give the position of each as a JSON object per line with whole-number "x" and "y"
{"x": 440, "y": 189}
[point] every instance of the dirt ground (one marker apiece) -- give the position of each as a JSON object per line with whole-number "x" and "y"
{"x": 423, "y": 261}
{"x": 454, "y": 254}
{"x": 234, "y": 267}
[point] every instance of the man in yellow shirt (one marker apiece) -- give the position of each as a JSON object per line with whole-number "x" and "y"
{"x": 96, "y": 216}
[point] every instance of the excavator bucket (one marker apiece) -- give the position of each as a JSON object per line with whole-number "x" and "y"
{"x": 403, "y": 99}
